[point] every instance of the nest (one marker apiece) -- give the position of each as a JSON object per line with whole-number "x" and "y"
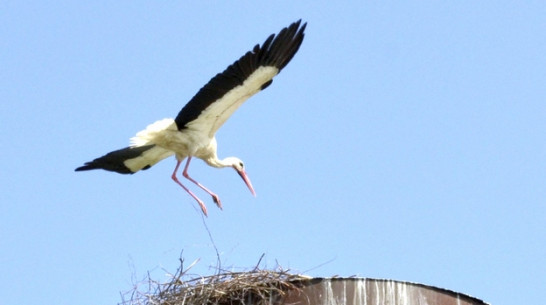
{"x": 258, "y": 286}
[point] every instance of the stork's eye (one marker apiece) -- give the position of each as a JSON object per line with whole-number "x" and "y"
{"x": 241, "y": 165}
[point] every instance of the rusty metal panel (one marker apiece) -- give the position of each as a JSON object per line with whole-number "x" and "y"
{"x": 360, "y": 291}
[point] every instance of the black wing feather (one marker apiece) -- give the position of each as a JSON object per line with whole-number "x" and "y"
{"x": 114, "y": 161}
{"x": 276, "y": 51}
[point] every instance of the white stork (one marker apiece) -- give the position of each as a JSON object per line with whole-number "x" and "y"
{"x": 191, "y": 133}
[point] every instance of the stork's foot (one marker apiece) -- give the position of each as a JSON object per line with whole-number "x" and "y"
{"x": 203, "y": 207}
{"x": 216, "y": 200}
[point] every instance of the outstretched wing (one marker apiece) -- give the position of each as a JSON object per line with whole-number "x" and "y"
{"x": 128, "y": 160}
{"x": 254, "y": 71}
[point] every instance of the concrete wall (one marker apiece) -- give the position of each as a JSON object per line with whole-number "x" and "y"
{"x": 359, "y": 291}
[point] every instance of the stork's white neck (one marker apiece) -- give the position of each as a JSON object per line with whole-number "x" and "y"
{"x": 218, "y": 163}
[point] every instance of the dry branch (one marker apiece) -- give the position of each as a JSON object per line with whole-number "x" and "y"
{"x": 257, "y": 286}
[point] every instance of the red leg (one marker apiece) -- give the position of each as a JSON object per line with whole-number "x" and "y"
{"x": 215, "y": 197}
{"x": 201, "y": 204}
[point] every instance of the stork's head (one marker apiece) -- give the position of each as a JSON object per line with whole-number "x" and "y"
{"x": 239, "y": 166}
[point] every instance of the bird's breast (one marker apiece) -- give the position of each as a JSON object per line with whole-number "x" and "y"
{"x": 186, "y": 142}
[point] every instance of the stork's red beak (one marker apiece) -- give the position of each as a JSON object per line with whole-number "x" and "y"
{"x": 243, "y": 175}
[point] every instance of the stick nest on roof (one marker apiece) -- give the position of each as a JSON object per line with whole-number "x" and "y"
{"x": 257, "y": 286}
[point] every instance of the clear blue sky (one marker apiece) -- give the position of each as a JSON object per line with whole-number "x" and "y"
{"x": 404, "y": 141}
